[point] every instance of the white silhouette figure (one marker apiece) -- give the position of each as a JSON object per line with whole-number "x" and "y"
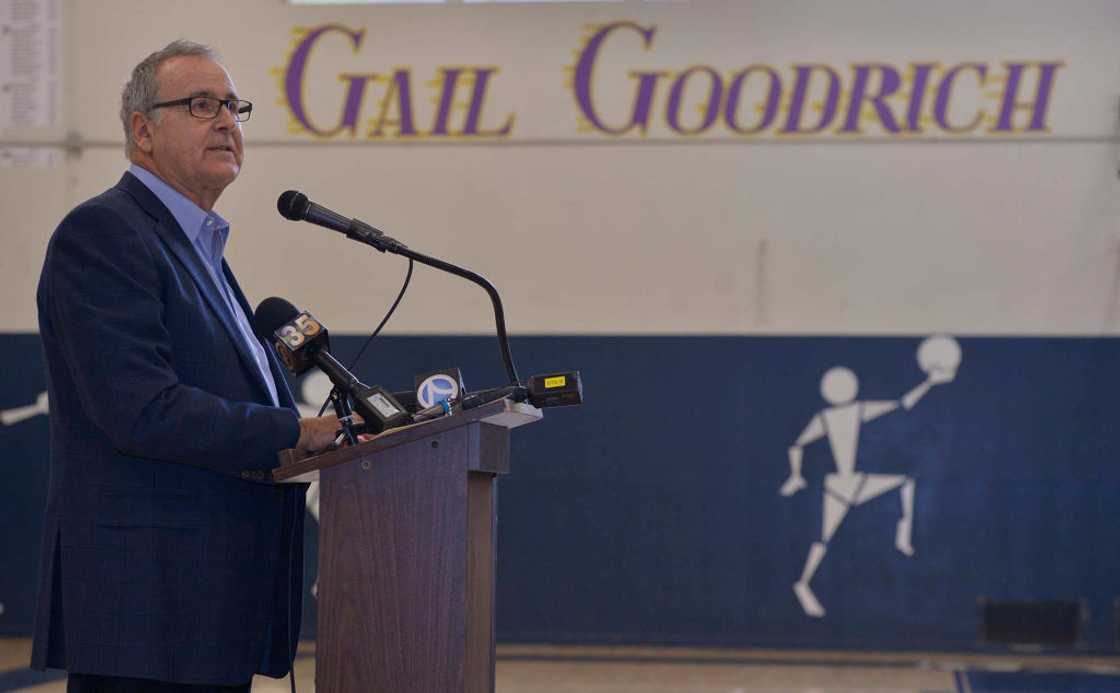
{"x": 938, "y": 357}
{"x": 314, "y": 390}
{"x": 9, "y": 417}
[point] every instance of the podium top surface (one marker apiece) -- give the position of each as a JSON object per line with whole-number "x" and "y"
{"x": 297, "y": 467}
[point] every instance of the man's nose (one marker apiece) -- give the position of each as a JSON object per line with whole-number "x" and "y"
{"x": 225, "y": 119}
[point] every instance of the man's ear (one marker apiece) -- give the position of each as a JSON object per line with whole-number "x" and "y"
{"x": 141, "y": 132}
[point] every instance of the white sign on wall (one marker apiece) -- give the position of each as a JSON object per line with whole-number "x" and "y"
{"x": 29, "y": 63}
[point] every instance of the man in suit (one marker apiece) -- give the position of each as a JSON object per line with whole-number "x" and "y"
{"x": 168, "y": 562}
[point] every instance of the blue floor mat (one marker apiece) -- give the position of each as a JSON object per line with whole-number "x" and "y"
{"x": 25, "y": 678}
{"x": 1035, "y": 682}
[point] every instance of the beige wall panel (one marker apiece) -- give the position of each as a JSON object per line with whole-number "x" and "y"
{"x": 30, "y": 200}
{"x": 1000, "y": 238}
{"x": 585, "y": 234}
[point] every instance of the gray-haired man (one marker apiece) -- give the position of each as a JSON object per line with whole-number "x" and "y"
{"x": 167, "y": 564}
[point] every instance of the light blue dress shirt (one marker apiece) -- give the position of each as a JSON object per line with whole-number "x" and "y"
{"x": 208, "y": 232}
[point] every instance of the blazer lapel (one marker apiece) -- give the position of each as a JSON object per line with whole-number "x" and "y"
{"x": 283, "y": 392}
{"x": 173, "y": 236}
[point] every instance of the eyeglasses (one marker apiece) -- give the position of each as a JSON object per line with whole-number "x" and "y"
{"x": 208, "y": 107}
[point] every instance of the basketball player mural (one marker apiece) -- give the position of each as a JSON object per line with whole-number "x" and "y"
{"x": 11, "y": 417}
{"x": 846, "y": 488}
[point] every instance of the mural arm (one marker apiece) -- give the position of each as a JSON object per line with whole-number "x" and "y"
{"x": 14, "y": 416}
{"x": 937, "y": 376}
{"x": 814, "y": 431}
{"x": 874, "y": 409}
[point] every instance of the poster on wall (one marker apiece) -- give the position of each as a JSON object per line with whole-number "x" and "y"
{"x": 29, "y": 60}
{"x": 29, "y": 73}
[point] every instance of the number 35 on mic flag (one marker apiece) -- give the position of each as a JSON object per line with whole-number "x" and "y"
{"x": 298, "y": 340}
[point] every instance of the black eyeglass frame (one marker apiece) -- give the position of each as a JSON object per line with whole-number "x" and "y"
{"x": 243, "y": 106}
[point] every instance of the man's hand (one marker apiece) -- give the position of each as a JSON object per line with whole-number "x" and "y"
{"x": 317, "y": 433}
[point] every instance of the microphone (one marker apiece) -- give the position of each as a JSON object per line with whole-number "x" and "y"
{"x": 295, "y": 206}
{"x": 548, "y": 390}
{"x": 442, "y": 408}
{"x": 301, "y": 341}
{"x": 436, "y": 386}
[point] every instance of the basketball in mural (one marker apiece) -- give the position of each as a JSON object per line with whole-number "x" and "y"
{"x": 939, "y": 355}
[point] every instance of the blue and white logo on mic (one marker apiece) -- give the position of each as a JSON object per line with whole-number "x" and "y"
{"x": 437, "y": 388}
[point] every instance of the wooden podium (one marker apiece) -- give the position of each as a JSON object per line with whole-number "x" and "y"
{"x": 407, "y": 531}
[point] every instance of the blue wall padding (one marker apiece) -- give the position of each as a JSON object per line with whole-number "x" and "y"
{"x": 652, "y": 512}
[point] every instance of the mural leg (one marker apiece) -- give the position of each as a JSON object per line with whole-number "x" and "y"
{"x": 906, "y": 523}
{"x": 834, "y": 511}
{"x": 876, "y": 485}
{"x": 801, "y": 589}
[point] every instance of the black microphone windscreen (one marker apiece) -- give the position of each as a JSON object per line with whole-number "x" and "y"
{"x": 293, "y": 205}
{"x": 271, "y": 314}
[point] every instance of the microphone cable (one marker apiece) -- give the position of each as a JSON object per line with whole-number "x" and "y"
{"x": 392, "y": 309}
{"x": 376, "y": 331}
{"x": 291, "y": 553}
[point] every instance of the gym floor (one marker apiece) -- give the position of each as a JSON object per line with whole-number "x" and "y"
{"x": 587, "y": 669}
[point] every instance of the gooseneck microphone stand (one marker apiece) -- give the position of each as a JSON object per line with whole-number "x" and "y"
{"x": 296, "y": 206}
{"x": 372, "y": 237}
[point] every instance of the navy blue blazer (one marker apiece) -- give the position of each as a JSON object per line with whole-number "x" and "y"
{"x": 161, "y": 558}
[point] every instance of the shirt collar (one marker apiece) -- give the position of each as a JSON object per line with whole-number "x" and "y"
{"x": 190, "y": 216}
